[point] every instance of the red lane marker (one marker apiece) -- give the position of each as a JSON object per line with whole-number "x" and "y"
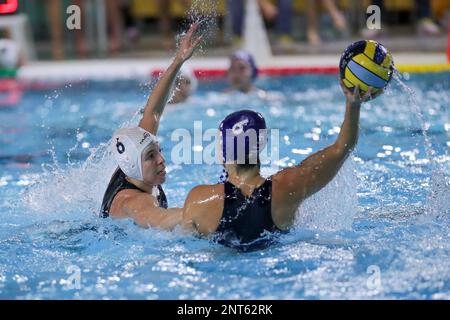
{"x": 9, "y": 7}
{"x": 199, "y": 73}
{"x": 11, "y": 99}
{"x": 212, "y": 73}
{"x": 9, "y": 84}
{"x": 298, "y": 70}
{"x": 10, "y": 92}
{"x": 157, "y": 73}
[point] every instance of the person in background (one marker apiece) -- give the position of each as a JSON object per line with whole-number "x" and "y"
{"x": 115, "y": 25}
{"x": 165, "y": 20}
{"x": 280, "y": 14}
{"x": 425, "y": 24}
{"x": 242, "y": 72}
{"x": 56, "y": 31}
{"x": 185, "y": 85}
{"x": 337, "y": 17}
{"x": 130, "y": 24}
{"x": 55, "y": 13}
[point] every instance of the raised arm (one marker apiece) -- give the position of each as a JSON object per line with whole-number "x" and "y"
{"x": 158, "y": 98}
{"x": 316, "y": 171}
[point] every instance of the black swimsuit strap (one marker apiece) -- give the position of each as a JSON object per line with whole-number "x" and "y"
{"x": 118, "y": 183}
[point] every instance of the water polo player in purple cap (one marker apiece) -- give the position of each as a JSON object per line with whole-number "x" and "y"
{"x": 247, "y": 211}
{"x": 242, "y": 72}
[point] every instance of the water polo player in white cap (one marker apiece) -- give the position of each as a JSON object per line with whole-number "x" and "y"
{"x": 135, "y": 188}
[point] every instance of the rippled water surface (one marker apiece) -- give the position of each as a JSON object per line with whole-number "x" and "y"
{"x": 379, "y": 230}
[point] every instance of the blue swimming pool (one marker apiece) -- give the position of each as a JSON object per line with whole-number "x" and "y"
{"x": 379, "y": 230}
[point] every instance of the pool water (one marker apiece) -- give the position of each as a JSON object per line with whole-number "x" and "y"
{"x": 380, "y": 229}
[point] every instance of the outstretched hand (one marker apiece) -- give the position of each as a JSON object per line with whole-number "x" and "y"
{"x": 354, "y": 97}
{"x": 188, "y": 43}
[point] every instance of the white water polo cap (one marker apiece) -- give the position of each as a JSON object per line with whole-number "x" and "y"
{"x": 127, "y": 146}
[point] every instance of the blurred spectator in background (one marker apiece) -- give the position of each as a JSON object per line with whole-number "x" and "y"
{"x": 165, "y": 21}
{"x": 130, "y": 24}
{"x": 281, "y": 14}
{"x": 185, "y": 85}
{"x": 80, "y": 38}
{"x": 242, "y": 72}
{"x": 56, "y": 13}
{"x": 337, "y": 17}
{"x": 425, "y": 25}
{"x": 115, "y": 24}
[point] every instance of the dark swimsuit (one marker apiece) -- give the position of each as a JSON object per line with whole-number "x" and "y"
{"x": 246, "y": 222}
{"x": 118, "y": 183}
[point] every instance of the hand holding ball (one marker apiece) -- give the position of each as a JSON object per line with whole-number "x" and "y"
{"x": 366, "y": 63}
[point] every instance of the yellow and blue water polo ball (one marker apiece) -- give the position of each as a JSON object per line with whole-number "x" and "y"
{"x": 366, "y": 63}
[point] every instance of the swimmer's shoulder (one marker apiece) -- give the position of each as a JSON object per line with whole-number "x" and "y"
{"x": 131, "y": 199}
{"x": 203, "y": 207}
{"x": 290, "y": 180}
{"x": 206, "y": 193}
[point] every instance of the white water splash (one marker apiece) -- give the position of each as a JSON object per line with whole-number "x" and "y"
{"x": 76, "y": 187}
{"x": 205, "y": 13}
{"x": 438, "y": 204}
{"x": 335, "y": 206}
